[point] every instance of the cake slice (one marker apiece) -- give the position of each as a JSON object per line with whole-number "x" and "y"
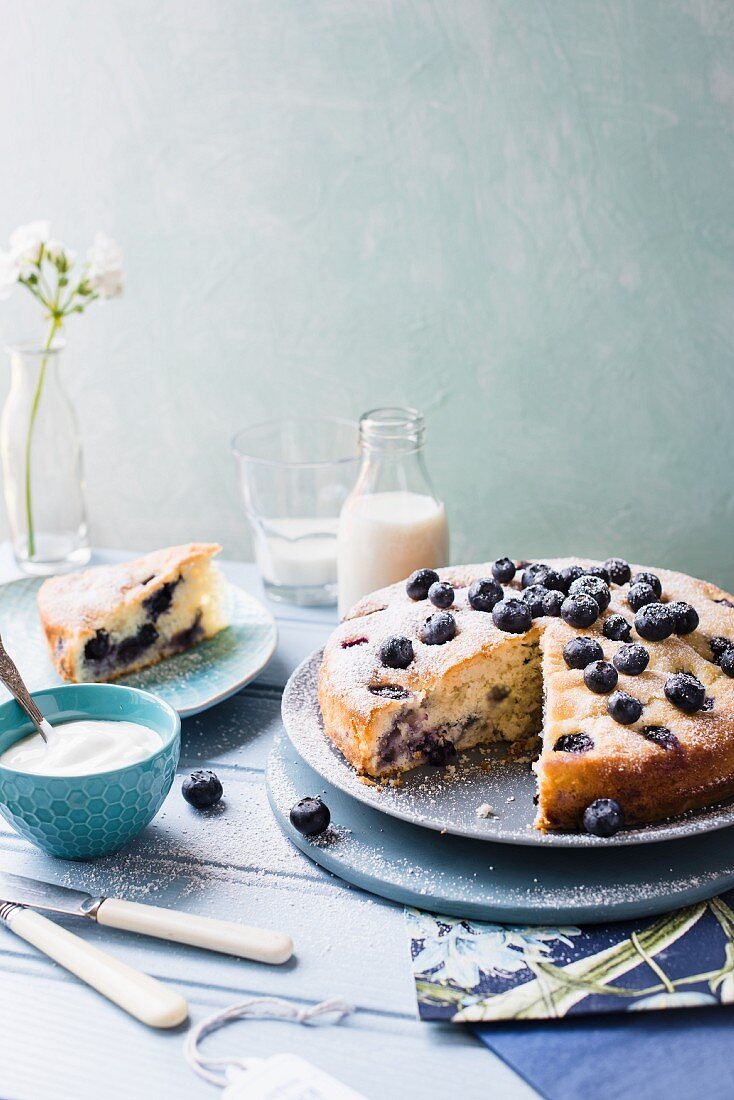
{"x": 115, "y": 619}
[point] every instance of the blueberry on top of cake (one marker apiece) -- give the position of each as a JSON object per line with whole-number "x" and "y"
{"x": 115, "y": 619}
{"x": 617, "y": 651}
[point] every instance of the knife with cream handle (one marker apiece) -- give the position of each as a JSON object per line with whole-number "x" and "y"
{"x": 166, "y": 924}
{"x": 148, "y": 1000}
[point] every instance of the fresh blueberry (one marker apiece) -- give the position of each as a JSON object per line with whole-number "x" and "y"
{"x": 534, "y": 596}
{"x": 595, "y": 587}
{"x": 597, "y": 571}
{"x": 530, "y": 574}
{"x": 719, "y": 647}
{"x": 441, "y": 594}
{"x": 512, "y": 615}
{"x": 97, "y": 647}
{"x": 685, "y": 617}
{"x": 601, "y": 677}
{"x": 580, "y": 652}
{"x": 202, "y": 789}
{"x": 649, "y": 578}
{"x": 624, "y": 708}
{"x": 661, "y": 735}
{"x": 579, "y": 610}
{"x": 573, "y": 742}
{"x": 310, "y": 816}
{"x": 685, "y": 692}
{"x": 618, "y": 570}
{"x": 484, "y": 594}
{"x": 570, "y": 574}
{"x": 418, "y": 583}
{"x": 396, "y": 652}
{"x": 631, "y": 659}
{"x": 550, "y": 579}
{"x": 552, "y": 603}
{"x": 438, "y": 629}
{"x": 389, "y": 691}
{"x": 639, "y": 595}
{"x": 603, "y": 817}
{"x": 726, "y": 662}
{"x": 503, "y": 570}
{"x": 654, "y": 623}
{"x": 617, "y": 629}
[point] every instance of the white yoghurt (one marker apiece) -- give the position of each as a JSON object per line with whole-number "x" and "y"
{"x": 83, "y": 747}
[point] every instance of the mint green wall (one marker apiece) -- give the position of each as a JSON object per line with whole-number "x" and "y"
{"x": 516, "y": 215}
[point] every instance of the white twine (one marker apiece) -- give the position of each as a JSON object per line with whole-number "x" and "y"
{"x": 270, "y": 1008}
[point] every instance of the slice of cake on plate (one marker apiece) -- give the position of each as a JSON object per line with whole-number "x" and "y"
{"x": 115, "y": 619}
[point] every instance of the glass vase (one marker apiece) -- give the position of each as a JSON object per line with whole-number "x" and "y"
{"x": 43, "y": 477}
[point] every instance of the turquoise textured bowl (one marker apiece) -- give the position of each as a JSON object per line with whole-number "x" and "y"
{"x": 80, "y": 817}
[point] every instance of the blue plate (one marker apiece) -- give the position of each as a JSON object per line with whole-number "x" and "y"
{"x": 190, "y": 682}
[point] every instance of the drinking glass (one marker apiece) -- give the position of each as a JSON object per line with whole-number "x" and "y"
{"x": 295, "y": 474}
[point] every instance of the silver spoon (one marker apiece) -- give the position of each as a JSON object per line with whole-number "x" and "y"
{"x": 13, "y": 681}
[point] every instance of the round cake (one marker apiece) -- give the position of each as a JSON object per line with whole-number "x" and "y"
{"x": 617, "y": 679}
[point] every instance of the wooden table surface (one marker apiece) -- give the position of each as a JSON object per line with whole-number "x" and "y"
{"x": 61, "y": 1041}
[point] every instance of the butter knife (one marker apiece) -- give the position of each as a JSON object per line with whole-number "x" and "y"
{"x": 228, "y": 937}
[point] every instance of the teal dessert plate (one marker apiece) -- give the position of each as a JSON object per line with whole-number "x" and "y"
{"x": 84, "y": 816}
{"x": 190, "y": 682}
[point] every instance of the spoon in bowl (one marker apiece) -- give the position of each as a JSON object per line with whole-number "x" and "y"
{"x": 13, "y": 681}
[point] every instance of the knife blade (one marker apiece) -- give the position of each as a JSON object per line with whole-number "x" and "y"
{"x": 228, "y": 937}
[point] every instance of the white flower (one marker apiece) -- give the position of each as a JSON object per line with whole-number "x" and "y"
{"x": 9, "y": 272}
{"x": 56, "y": 249}
{"x": 26, "y": 241}
{"x": 105, "y": 266}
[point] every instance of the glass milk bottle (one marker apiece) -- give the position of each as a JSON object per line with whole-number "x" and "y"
{"x": 392, "y": 522}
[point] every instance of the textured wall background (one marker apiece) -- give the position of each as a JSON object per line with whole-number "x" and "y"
{"x": 513, "y": 214}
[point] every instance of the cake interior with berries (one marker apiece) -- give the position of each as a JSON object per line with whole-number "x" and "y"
{"x": 617, "y": 680}
{"x": 115, "y": 619}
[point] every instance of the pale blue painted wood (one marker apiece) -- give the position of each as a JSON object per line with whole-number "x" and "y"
{"x": 235, "y": 864}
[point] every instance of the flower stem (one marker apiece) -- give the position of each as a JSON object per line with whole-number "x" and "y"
{"x": 55, "y": 325}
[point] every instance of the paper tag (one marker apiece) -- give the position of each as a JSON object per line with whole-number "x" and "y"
{"x": 286, "y": 1077}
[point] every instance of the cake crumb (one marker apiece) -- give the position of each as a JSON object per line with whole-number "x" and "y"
{"x": 485, "y": 810}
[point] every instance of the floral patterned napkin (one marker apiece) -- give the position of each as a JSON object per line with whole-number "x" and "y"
{"x": 468, "y": 971}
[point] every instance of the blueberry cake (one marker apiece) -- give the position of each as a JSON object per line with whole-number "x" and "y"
{"x": 115, "y": 619}
{"x": 618, "y": 678}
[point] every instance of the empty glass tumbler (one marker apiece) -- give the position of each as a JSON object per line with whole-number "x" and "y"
{"x": 295, "y": 474}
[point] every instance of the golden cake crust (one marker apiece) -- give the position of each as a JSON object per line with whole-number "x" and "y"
{"x": 650, "y": 782}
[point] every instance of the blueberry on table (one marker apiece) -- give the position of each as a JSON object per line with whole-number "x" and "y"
{"x": 310, "y": 816}
{"x": 580, "y": 652}
{"x": 603, "y": 817}
{"x": 503, "y": 570}
{"x": 396, "y": 652}
{"x": 726, "y": 662}
{"x": 685, "y": 617}
{"x": 592, "y": 586}
{"x": 639, "y": 595}
{"x": 438, "y": 629}
{"x": 617, "y": 629}
{"x": 512, "y": 615}
{"x": 618, "y": 570}
{"x": 533, "y": 597}
{"x": 441, "y": 594}
{"x": 579, "y": 610}
{"x": 601, "y": 677}
{"x": 552, "y": 603}
{"x": 568, "y": 575}
{"x": 418, "y": 583}
{"x": 484, "y": 593}
{"x": 654, "y": 622}
{"x": 631, "y": 659}
{"x": 651, "y": 579}
{"x": 624, "y": 708}
{"x": 202, "y": 789}
{"x": 685, "y": 692}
